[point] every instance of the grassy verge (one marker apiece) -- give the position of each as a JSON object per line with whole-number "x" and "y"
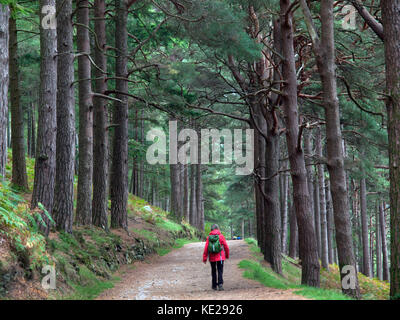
{"x": 291, "y": 279}
{"x": 254, "y": 270}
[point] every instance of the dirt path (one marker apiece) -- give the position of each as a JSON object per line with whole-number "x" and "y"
{"x": 181, "y": 275}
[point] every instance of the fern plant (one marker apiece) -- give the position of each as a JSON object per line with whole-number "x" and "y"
{"x": 19, "y": 226}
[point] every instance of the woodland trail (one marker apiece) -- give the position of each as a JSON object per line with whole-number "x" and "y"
{"x": 181, "y": 275}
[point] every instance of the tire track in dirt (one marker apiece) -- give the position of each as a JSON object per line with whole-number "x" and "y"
{"x": 181, "y": 275}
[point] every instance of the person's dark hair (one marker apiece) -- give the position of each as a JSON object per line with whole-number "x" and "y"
{"x": 214, "y": 226}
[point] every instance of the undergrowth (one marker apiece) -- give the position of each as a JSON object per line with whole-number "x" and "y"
{"x": 19, "y": 226}
{"x": 85, "y": 261}
{"x": 291, "y": 279}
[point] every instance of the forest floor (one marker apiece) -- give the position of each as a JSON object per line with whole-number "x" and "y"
{"x": 181, "y": 275}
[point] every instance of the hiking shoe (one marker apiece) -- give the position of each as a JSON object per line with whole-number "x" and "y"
{"x": 214, "y": 288}
{"x": 220, "y": 288}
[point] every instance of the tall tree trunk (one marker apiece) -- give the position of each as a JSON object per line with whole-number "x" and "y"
{"x": 141, "y": 176}
{"x": 379, "y": 273}
{"x": 181, "y": 187}
{"x": 63, "y": 210}
{"x": 259, "y": 168}
{"x": 324, "y": 51}
{"x": 330, "y": 223}
{"x": 4, "y": 82}
{"x": 186, "y": 192}
{"x": 267, "y": 165}
{"x": 301, "y": 197}
{"x": 391, "y": 26}
{"x": 193, "y": 207}
{"x": 293, "y": 237}
{"x": 134, "y": 176}
{"x": 175, "y": 191}
{"x": 33, "y": 133}
{"x": 272, "y": 220}
{"x": 357, "y": 241}
{"x": 382, "y": 225}
{"x": 119, "y": 173}
{"x": 29, "y": 131}
{"x": 359, "y": 230}
{"x": 19, "y": 176}
{"x": 326, "y": 66}
{"x": 364, "y": 227}
{"x": 199, "y": 188}
{"x": 100, "y": 123}
{"x": 272, "y": 214}
{"x": 284, "y": 178}
{"x": 307, "y": 137}
{"x": 322, "y": 203}
{"x": 85, "y": 166}
{"x": 317, "y": 214}
{"x": 371, "y": 246}
{"x": 45, "y": 165}
{"x": 199, "y": 197}
{"x": 132, "y": 181}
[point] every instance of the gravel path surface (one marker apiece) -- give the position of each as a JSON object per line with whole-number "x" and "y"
{"x": 181, "y": 275}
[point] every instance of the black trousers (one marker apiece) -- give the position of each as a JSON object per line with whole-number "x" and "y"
{"x": 217, "y": 266}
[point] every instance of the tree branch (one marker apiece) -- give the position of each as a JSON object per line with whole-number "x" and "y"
{"x": 369, "y": 19}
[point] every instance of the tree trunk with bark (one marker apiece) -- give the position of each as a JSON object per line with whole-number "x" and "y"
{"x": 193, "y": 207}
{"x": 176, "y": 208}
{"x": 19, "y": 176}
{"x": 284, "y": 183}
{"x": 324, "y": 51}
{"x": 45, "y": 165}
{"x": 259, "y": 169}
{"x": 378, "y": 245}
{"x": 371, "y": 246}
{"x": 4, "y": 83}
{"x": 382, "y": 225}
{"x": 364, "y": 227}
{"x": 119, "y": 173}
{"x": 322, "y": 203}
{"x": 141, "y": 173}
{"x": 29, "y": 131}
{"x": 186, "y": 192}
{"x": 33, "y": 131}
{"x": 199, "y": 197}
{"x": 329, "y": 223}
{"x": 317, "y": 214}
{"x": 293, "y": 237}
{"x": 301, "y": 197}
{"x": 391, "y": 27}
{"x": 100, "y": 122}
{"x": 63, "y": 210}
{"x": 272, "y": 214}
{"x": 85, "y": 165}
{"x": 307, "y": 138}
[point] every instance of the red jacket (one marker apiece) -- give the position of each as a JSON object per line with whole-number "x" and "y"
{"x": 213, "y": 257}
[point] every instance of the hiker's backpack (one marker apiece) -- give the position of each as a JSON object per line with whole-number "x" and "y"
{"x": 214, "y": 246}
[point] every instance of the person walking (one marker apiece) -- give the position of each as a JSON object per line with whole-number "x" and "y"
{"x": 216, "y": 250}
